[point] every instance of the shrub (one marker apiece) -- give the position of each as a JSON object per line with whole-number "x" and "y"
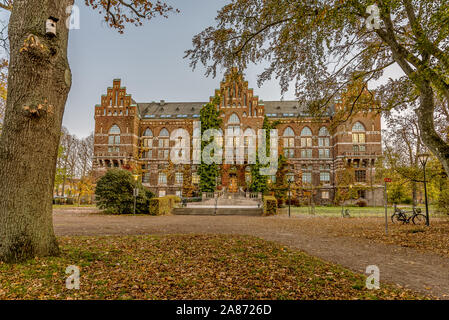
{"x": 270, "y": 205}
{"x": 443, "y": 202}
{"x": 114, "y": 193}
{"x": 174, "y": 200}
{"x": 362, "y": 204}
{"x": 160, "y": 206}
{"x": 163, "y": 206}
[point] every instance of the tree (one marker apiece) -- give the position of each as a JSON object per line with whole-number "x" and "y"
{"x": 345, "y": 186}
{"x": 39, "y": 80}
{"x": 3, "y": 89}
{"x": 85, "y": 188}
{"x": 403, "y": 146}
{"x": 210, "y": 119}
{"x": 281, "y": 186}
{"x": 324, "y": 45}
{"x": 114, "y": 193}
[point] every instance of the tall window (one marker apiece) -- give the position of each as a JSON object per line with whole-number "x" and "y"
{"x": 289, "y": 143}
{"x": 114, "y": 139}
{"x": 179, "y": 177}
{"x": 359, "y": 137}
{"x": 233, "y": 132}
{"x": 162, "y": 178}
{"x": 307, "y": 177}
{"x": 148, "y": 143}
{"x": 324, "y": 143}
{"x": 164, "y": 144}
{"x": 325, "y": 177}
{"x": 306, "y": 143}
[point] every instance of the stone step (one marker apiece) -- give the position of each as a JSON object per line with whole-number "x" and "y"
{"x": 220, "y": 211}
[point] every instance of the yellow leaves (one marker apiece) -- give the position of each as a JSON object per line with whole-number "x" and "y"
{"x": 185, "y": 267}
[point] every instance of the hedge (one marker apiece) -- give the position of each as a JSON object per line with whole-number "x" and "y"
{"x": 173, "y": 200}
{"x": 163, "y": 206}
{"x": 269, "y": 206}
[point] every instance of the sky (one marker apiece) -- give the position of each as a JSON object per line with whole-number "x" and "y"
{"x": 148, "y": 59}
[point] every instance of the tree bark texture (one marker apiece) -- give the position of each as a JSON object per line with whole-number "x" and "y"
{"x": 426, "y": 122}
{"x": 38, "y": 85}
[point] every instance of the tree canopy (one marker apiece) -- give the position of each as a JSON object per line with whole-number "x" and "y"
{"x": 323, "y": 46}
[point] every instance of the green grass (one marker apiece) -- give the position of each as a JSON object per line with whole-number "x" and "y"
{"x": 186, "y": 267}
{"x": 327, "y": 211}
{"x": 69, "y": 206}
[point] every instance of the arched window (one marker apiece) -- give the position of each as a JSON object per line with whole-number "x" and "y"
{"x": 306, "y": 132}
{"x": 148, "y": 144}
{"x": 234, "y": 119}
{"x": 250, "y": 144}
{"x": 323, "y": 132}
{"x": 245, "y": 115}
{"x": 164, "y": 143}
{"x": 289, "y": 132}
{"x": 114, "y": 130}
{"x": 148, "y": 133}
{"x": 324, "y": 143}
{"x": 358, "y": 127}
{"x": 114, "y": 139}
{"x": 289, "y": 143}
{"x": 164, "y": 133}
{"x": 359, "y": 137}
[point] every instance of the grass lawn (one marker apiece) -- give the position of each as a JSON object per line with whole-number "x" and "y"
{"x": 71, "y": 206}
{"x": 353, "y": 211}
{"x": 186, "y": 267}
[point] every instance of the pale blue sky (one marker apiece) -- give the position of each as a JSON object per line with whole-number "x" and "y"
{"x": 148, "y": 59}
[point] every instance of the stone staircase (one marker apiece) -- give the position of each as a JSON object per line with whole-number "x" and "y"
{"x": 198, "y": 211}
{"x": 225, "y": 205}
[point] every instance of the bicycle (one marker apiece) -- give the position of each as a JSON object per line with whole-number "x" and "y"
{"x": 416, "y": 217}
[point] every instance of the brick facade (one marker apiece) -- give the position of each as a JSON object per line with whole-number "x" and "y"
{"x": 316, "y": 155}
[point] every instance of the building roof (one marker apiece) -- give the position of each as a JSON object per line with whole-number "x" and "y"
{"x": 174, "y": 110}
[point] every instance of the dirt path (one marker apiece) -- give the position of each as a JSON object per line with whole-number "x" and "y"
{"x": 422, "y": 272}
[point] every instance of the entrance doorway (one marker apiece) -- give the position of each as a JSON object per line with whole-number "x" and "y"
{"x": 233, "y": 183}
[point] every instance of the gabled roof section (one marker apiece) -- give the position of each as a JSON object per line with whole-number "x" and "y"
{"x": 170, "y": 109}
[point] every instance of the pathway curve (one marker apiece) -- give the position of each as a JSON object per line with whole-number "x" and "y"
{"x": 423, "y": 272}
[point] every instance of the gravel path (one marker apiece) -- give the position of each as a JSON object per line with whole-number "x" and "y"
{"x": 423, "y": 272}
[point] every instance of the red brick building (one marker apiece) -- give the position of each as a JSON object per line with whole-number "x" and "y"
{"x": 136, "y": 136}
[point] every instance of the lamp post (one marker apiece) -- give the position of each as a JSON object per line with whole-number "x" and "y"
{"x": 136, "y": 177}
{"x": 423, "y": 158}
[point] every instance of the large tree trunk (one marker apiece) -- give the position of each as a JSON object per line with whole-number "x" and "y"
{"x": 38, "y": 85}
{"x": 426, "y": 123}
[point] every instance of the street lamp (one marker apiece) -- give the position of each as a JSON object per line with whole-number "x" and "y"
{"x": 136, "y": 177}
{"x": 423, "y": 158}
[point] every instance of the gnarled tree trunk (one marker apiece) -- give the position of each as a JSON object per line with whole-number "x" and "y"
{"x": 38, "y": 85}
{"x": 426, "y": 122}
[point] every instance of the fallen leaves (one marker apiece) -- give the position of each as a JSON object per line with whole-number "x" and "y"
{"x": 185, "y": 267}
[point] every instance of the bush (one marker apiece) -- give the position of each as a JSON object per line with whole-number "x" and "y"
{"x": 443, "y": 202}
{"x": 114, "y": 193}
{"x": 362, "y": 204}
{"x": 174, "y": 200}
{"x": 270, "y": 205}
{"x": 163, "y": 206}
{"x": 160, "y": 206}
